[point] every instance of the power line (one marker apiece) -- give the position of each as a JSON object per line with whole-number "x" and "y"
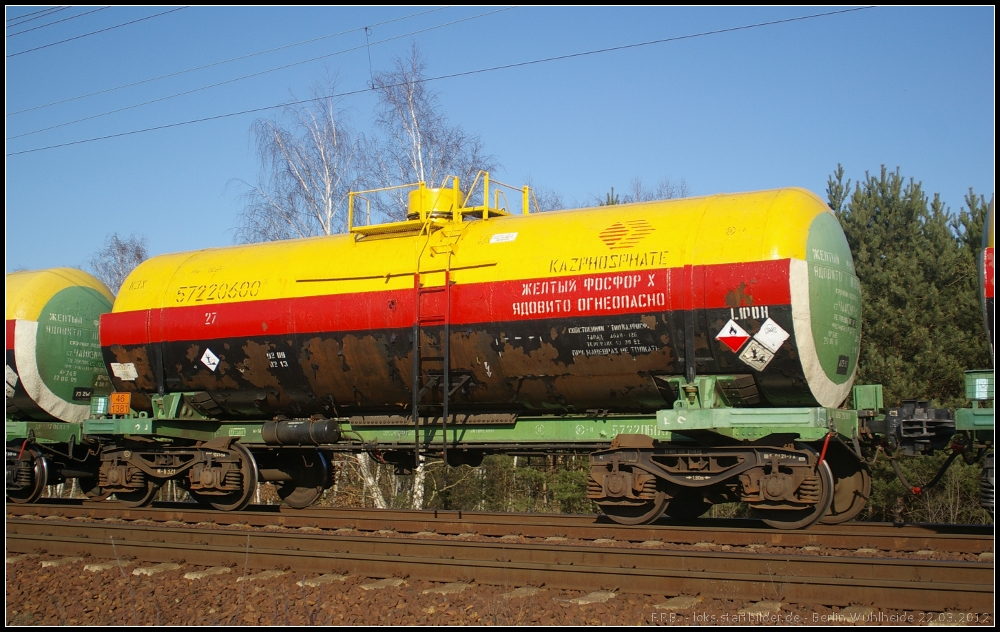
{"x": 45, "y": 13}
{"x": 219, "y": 63}
{"x": 79, "y": 15}
{"x": 31, "y": 50}
{"x": 252, "y": 75}
{"x": 450, "y": 76}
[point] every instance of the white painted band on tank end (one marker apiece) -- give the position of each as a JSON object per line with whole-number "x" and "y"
{"x": 827, "y": 392}
{"x": 25, "y": 339}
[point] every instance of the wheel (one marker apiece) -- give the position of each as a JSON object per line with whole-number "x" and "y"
{"x": 140, "y": 497}
{"x": 248, "y": 475}
{"x": 309, "y": 476}
{"x": 636, "y": 513}
{"x": 92, "y": 490}
{"x": 851, "y": 490}
{"x": 802, "y": 518}
{"x": 687, "y": 507}
{"x": 27, "y": 474}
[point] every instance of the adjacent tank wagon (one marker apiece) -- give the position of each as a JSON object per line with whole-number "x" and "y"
{"x": 53, "y": 369}
{"x": 54, "y": 361}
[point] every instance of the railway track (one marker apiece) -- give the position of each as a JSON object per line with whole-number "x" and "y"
{"x": 880, "y": 537}
{"x": 450, "y": 552}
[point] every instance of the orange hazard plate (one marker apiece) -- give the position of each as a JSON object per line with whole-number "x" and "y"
{"x": 120, "y": 403}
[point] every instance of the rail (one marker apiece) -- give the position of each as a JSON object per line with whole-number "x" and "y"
{"x": 911, "y": 584}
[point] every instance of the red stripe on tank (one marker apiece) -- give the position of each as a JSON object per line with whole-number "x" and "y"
{"x": 10, "y": 334}
{"x": 718, "y": 286}
{"x": 125, "y": 328}
{"x": 988, "y": 272}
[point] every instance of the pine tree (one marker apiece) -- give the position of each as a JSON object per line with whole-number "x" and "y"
{"x": 921, "y": 318}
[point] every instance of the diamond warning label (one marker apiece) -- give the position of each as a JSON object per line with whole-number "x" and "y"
{"x": 732, "y": 335}
{"x": 209, "y": 359}
{"x": 771, "y": 335}
{"x": 756, "y": 356}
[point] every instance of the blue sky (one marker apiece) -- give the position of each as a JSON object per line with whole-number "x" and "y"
{"x": 751, "y": 109}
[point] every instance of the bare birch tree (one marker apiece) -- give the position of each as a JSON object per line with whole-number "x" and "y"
{"x": 414, "y": 140}
{"x": 307, "y": 170}
{"x": 119, "y": 256}
{"x": 665, "y": 189}
{"x": 370, "y": 480}
{"x": 545, "y": 198}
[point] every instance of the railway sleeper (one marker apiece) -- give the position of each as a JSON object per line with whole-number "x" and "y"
{"x": 638, "y": 479}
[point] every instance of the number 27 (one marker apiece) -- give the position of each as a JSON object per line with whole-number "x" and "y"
{"x": 209, "y": 318}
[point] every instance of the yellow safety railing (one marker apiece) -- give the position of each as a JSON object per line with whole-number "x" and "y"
{"x": 428, "y": 214}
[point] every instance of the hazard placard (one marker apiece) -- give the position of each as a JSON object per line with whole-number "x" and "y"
{"x": 120, "y": 404}
{"x": 732, "y": 335}
{"x": 756, "y": 356}
{"x": 771, "y": 335}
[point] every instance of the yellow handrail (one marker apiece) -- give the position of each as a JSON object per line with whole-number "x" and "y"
{"x": 459, "y": 210}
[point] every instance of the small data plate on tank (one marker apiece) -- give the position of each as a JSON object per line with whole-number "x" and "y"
{"x": 124, "y": 371}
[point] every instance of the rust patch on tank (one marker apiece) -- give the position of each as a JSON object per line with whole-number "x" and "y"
{"x": 617, "y": 392}
{"x": 323, "y": 366}
{"x": 256, "y": 367}
{"x": 534, "y": 392}
{"x": 546, "y": 378}
{"x": 473, "y": 351}
{"x": 368, "y": 363}
{"x": 207, "y": 381}
{"x": 146, "y": 380}
{"x": 537, "y": 361}
{"x": 738, "y": 297}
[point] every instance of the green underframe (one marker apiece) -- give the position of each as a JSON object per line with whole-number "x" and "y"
{"x": 700, "y": 408}
{"x": 47, "y": 432}
{"x": 809, "y": 424}
{"x": 975, "y": 419}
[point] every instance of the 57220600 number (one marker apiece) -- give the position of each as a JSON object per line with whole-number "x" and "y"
{"x": 217, "y": 291}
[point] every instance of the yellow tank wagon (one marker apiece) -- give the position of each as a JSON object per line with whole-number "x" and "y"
{"x": 556, "y": 312}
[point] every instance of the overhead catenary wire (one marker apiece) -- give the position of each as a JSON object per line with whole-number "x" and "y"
{"x": 46, "y": 13}
{"x": 448, "y": 76}
{"x": 117, "y": 26}
{"x": 219, "y": 63}
{"x": 252, "y": 75}
{"x": 73, "y": 17}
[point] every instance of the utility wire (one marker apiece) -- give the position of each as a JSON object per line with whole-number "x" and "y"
{"x": 219, "y": 63}
{"x": 45, "y": 12}
{"x": 250, "y": 76}
{"x": 31, "y": 50}
{"x": 78, "y": 15}
{"x": 449, "y": 76}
